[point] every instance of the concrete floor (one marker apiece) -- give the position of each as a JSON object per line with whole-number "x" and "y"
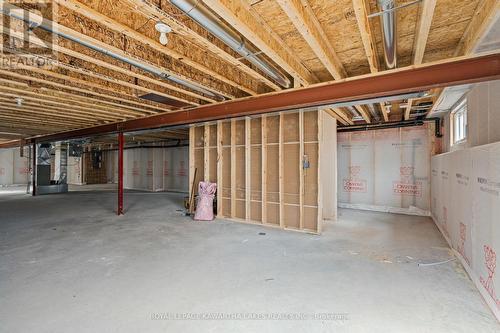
{"x": 68, "y": 264}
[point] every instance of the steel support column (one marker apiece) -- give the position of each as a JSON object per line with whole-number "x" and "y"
{"x": 120, "y": 174}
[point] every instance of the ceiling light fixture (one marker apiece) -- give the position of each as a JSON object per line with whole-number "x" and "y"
{"x": 19, "y": 101}
{"x": 163, "y": 29}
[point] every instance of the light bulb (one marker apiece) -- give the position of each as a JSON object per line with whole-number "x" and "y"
{"x": 163, "y": 38}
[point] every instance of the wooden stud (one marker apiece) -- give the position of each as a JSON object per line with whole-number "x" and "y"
{"x": 264, "y": 168}
{"x": 220, "y": 183}
{"x": 320, "y": 185}
{"x": 248, "y": 171}
{"x": 233, "y": 167}
{"x": 206, "y": 153}
{"x": 301, "y": 169}
{"x": 192, "y": 166}
{"x": 281, "y": 172}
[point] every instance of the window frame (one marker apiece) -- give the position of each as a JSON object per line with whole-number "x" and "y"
{"x": 458, "y": 123}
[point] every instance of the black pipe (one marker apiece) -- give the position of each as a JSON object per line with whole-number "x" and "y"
{"x": 138, "y": 147}
{"x": 369, "y": 127}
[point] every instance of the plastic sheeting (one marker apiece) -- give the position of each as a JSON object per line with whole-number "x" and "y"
{"x": 466, "y": 208}
{"x": 385, "y": 170}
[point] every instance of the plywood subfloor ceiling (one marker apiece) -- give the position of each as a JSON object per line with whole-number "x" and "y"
{"x": 309, "y": 41}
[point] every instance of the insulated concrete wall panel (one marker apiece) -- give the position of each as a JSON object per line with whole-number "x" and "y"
{"x": 158, "y": 169}
{"x": 6, "y": 166}
{"x": 414, "y": 170}
{"x": 21, "y": 167}
{"x": 486, "y": 213}
{"x": 385, "y": 170}
{"x": 460, "y": 202}
{"x": 494, "y": 111}
{"x": 355, "y": 166}
{"x": 466, "y": 207}
{"x": 75, "y": 165}
{"x": 181, "y": 165}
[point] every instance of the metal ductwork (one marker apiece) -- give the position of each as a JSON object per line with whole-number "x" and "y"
{"x": 388, "y": 24}
{"x": 226, "y": 34}
{"x": 34, "y": 20}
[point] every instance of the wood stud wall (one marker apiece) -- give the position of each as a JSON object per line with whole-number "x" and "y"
{"x": 257, "y": 164}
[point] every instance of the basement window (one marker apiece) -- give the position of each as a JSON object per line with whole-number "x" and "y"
{"x": 459, "y": 121}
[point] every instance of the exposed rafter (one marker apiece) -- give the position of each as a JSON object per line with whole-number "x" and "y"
{"x": 423, "y": 28}
{"x": 139, "y": 109}
{"x": 131, "y": 33}
{"x": 75, "y": 35}
{"x": 239, "y": 15}
{"x": 361, "y": 11}
{"x": 485, "y": 13}
{"x": 152, "y": 11}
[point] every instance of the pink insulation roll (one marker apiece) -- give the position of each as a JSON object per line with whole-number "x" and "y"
{"x": 204, "y": 206}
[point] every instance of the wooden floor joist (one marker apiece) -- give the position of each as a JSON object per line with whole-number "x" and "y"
{"x": 152, "y": 11}
{"x": 140, "y": 109}
{"x": 131, "y": 33}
